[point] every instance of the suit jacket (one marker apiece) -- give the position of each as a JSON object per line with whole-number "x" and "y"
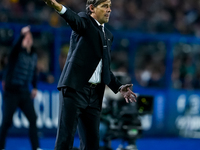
{"x": 85, "y": 52}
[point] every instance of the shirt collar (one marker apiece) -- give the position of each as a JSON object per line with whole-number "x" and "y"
{"x": 99, "y": 23}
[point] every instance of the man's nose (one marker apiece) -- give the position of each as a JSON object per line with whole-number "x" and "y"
{"x": 109, "y": 9}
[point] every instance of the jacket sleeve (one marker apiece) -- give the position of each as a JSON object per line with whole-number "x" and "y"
{"x": 16, "y": 46}
{"x": 77, "y": 23}
{"x": 114, "y": 83}
{"x": 35, "y": 77}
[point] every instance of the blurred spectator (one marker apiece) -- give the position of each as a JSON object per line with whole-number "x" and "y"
{"x": 19, "y": 75}
{"x": 176, "y": 81}
{"x": 149, "y": 64}
{"x": 43, "y": 43}
{"x": 63, "y": 56}
{"x": 3, "y": 63}
{"x": 43, "y": 68}
{"x": 185, "y": 70}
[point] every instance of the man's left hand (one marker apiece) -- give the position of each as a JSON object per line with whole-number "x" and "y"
{"x": 129, "y": 95}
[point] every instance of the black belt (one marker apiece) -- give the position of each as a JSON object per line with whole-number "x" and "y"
{"x": 92, "y": 85}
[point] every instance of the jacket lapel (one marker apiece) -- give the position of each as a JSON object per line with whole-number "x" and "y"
{"x": 98, "y": 29}
{"x": 101, "y": 34}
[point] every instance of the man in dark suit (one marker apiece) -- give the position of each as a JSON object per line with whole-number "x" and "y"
{"x": 85, "y": 74}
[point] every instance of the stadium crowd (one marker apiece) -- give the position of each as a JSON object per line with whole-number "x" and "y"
{"x": 147, "y": 16}
{"x": 155, "y": 16}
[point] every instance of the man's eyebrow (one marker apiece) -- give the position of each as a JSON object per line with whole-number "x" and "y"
{"x": 106, "y": 5}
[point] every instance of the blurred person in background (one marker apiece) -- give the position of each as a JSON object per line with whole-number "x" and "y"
{"x": 42, "y": 70}
{"x": 63, "y": 56}
{"x": 20, "y": 73}
{"x": 85, "y": 74}
{"x": 3, "y": 63}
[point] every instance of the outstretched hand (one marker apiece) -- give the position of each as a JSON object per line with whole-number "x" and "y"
{"x": 49, "y": 2}
{"x": 54, "y": 4}
{"x": 129, "y": 95}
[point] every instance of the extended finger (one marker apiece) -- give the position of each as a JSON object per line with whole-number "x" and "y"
{"x": 132, "y": 92}
{"x": 128, "y": 85}
{"x": 133, "y": 98}
{"x": 126, "y": 100}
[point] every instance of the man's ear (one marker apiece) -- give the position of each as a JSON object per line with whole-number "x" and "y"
{"x": 91, "y": 8}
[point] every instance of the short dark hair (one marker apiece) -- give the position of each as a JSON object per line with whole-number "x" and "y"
{"x": 95, "y": 3}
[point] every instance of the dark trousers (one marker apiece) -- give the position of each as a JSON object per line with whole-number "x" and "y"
{"x": 80, "y": 109}
{"x": 23, "y": 100}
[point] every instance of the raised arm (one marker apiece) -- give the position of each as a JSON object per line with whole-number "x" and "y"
{"x": 17, "y": 44}
{"x": 77, "y": 23}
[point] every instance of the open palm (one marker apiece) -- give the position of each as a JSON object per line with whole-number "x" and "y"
{"x": 129, "y": 95}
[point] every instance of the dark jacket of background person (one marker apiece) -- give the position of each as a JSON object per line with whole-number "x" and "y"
{"x": 85, "y": 52}
{"x": 21, "y": 68}
{"x": 20, "y": 72}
